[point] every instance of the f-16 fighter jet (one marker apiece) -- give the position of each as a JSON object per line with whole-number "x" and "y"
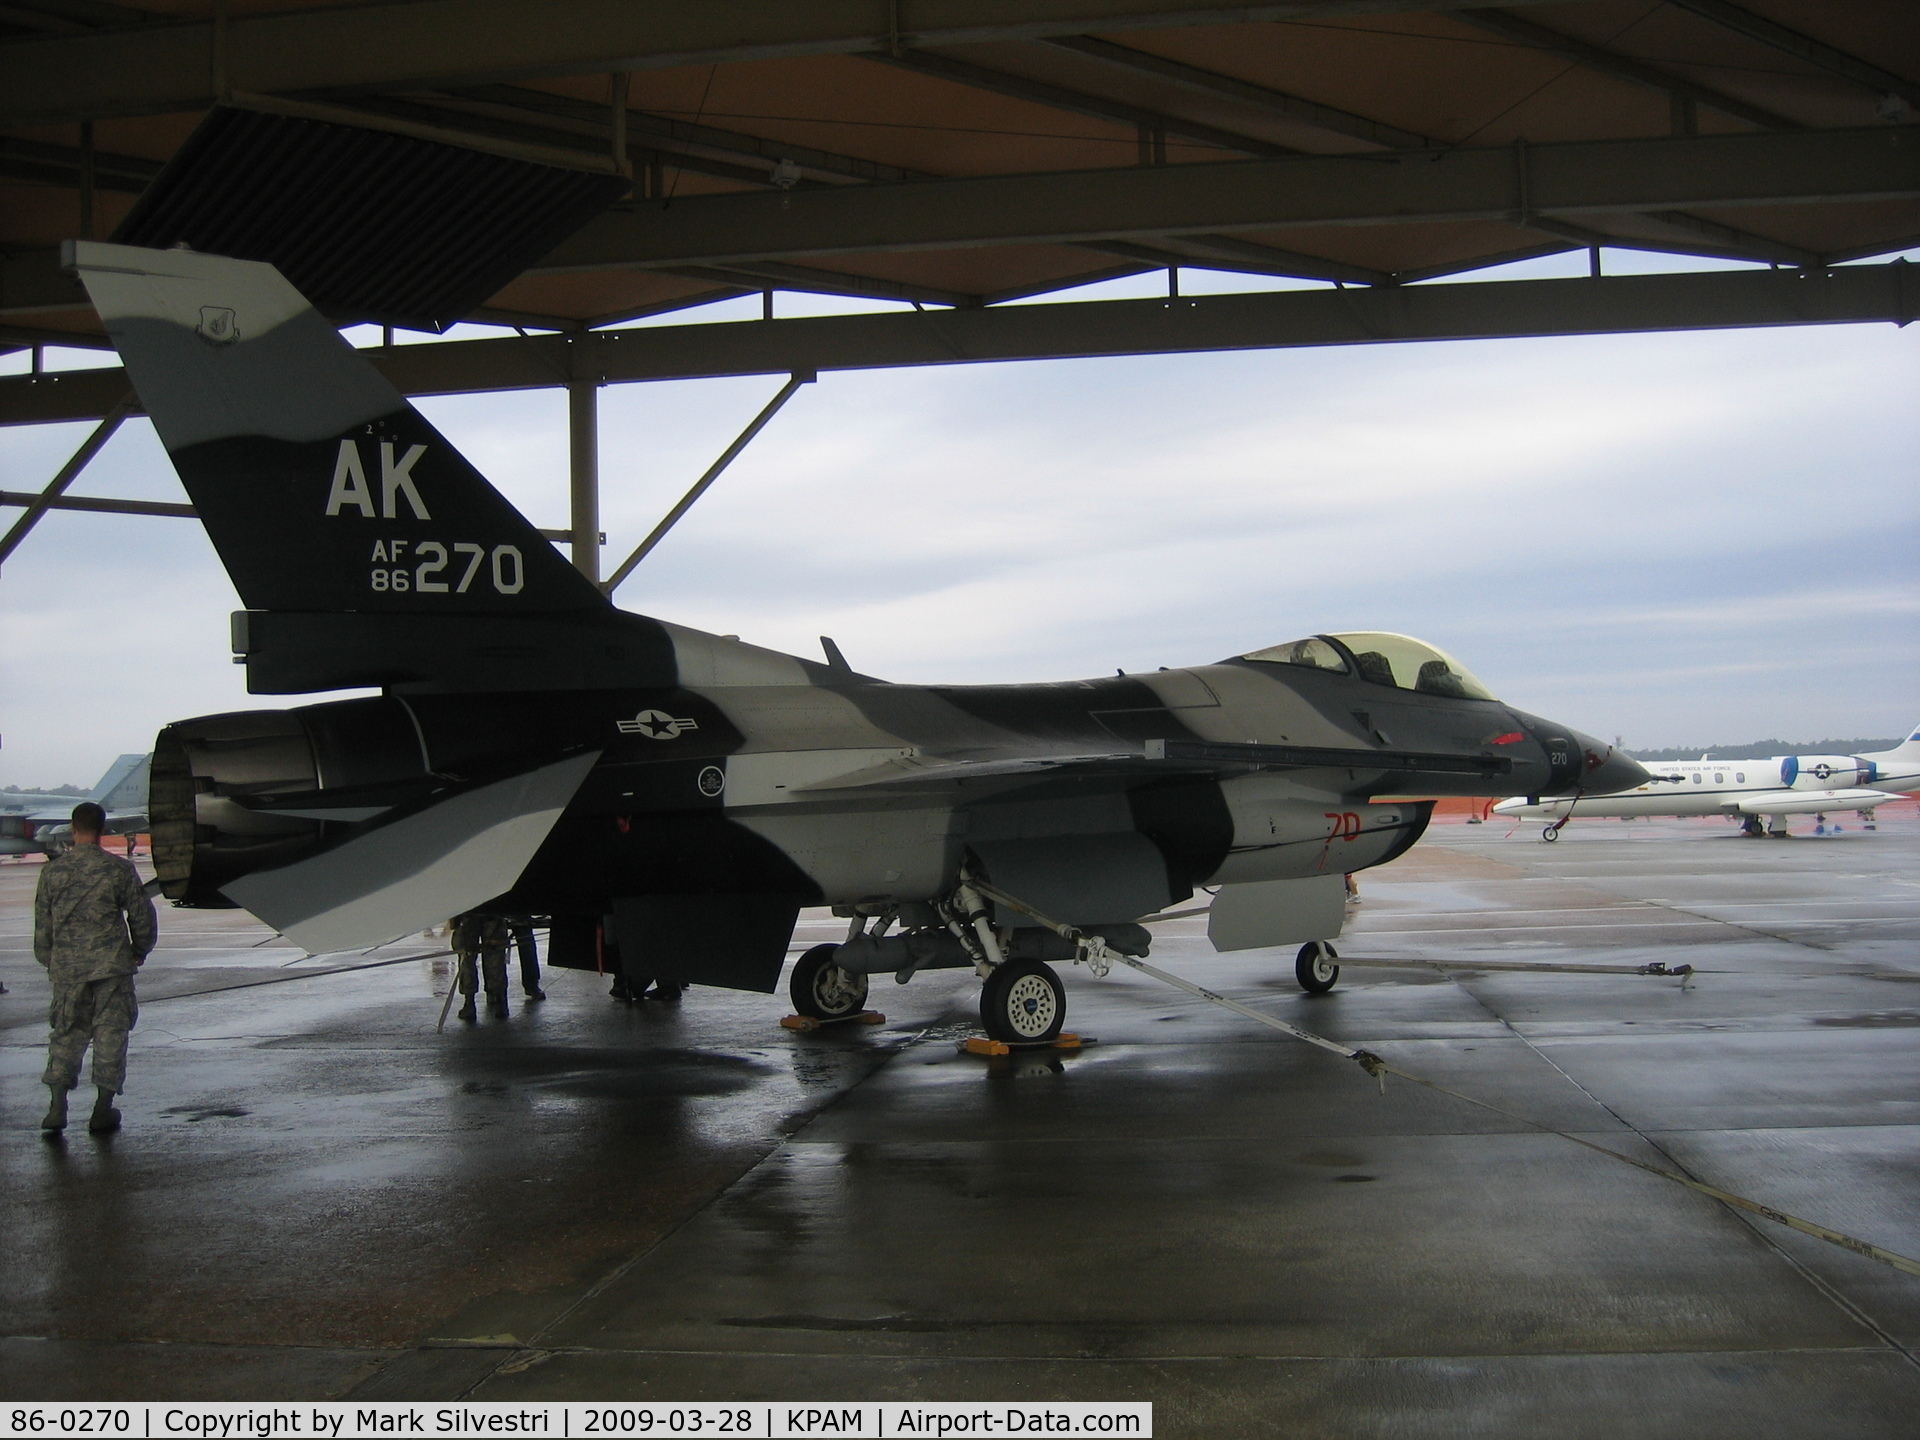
{"x": 671, "y": 799}
{"x": 38, "y": 823}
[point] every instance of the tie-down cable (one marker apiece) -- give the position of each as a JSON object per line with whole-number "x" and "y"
{"x": 1099, "y": 958}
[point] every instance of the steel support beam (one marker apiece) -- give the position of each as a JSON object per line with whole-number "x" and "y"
{"x": 1142, "y": 203}
{"x": 1213, "y": 84}
{"x": 1804, "y": 47}
{"x": 1056, "y": 97}
{"x": 1154, "y": 203}
{"x": 583, "y": 476}
{"x": 418, "y": 44}
{"x": 66, "y": 165}
{"x": 32, "y": 283}
{"x": 674, "y": 136}
{"x": 705, "y": 482}
{"x": 167, "y": 509}
{"x": 38, "y": 505}
{"x": 1624, "y": 67}
{"x": 97, "y": 505}
{"x": 22, "y": 337}
{"x": 1612, "y": 305}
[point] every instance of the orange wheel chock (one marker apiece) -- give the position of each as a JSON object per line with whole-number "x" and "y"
{"x": 804, "y": 1023}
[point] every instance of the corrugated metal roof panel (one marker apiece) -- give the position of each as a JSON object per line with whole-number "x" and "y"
{"x": 368, "y": 225}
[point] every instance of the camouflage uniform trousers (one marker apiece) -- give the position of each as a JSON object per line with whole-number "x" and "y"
{"x": 96, "y": 1012}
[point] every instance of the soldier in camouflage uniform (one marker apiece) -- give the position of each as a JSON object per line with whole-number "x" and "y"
{"x": 92, "y": 927}
{"x": 480, "y": 948}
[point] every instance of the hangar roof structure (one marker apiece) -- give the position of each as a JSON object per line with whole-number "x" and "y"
{"x": 964, "y": 155}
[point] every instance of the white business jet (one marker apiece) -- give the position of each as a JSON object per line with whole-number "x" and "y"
{"x": 1748, "y": 789}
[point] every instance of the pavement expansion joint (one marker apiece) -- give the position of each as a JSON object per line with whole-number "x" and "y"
{"x": 583, "y": 1228}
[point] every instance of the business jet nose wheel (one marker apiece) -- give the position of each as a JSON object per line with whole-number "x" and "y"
{"x": 823, "y": 989}
{"x": 1023, "y": 1003}
{"x": 1317, "y": 967}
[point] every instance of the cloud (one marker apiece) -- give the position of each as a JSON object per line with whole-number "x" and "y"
{"x": 1672, "y": 537}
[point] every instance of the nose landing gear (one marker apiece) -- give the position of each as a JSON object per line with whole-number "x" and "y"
{"x": 1317, "y": 967}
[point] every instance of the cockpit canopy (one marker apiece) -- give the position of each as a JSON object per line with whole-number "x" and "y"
{"x": 1383, "y": 658}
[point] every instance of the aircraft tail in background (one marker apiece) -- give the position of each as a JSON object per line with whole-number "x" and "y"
{"x": 124, "y": 786}
{"x": 1908, "y": 749}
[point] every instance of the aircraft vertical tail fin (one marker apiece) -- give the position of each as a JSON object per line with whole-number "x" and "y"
{"x": 1909, "y": 748}
{"x": 319, "y": 485}
{"x": 124, "y": 786}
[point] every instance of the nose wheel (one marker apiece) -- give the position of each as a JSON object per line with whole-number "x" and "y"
{"x": 1023, "y": 1003}
{"x": 1317, "y": 967}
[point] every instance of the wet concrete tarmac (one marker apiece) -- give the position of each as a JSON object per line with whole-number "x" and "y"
{"x": 316, "y": 1195}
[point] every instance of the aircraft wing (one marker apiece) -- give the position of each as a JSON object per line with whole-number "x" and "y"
{"x": 1157, "y": 757}
{"x": 400, "y": 874}
{"x": 1809, "y": 802}
{"x": 61, "y": 817}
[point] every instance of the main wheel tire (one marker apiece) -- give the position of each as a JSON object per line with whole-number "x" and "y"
{"x": 1316, "y": 967}
{"x": 1023, "y": 1003}
{"x": 822, "y": 989}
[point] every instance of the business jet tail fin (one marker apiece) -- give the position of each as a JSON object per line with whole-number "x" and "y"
{"x": 1909, "y": 748}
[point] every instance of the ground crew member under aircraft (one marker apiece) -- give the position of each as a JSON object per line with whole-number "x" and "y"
{"x": 480, "y": 943}
{"x": 480, "y": 946}
{"x": 93, "y": 925}
{"x": 523, "y": 941}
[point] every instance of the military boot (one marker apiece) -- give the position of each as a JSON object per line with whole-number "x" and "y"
{"x": 104, "y": 1117}
{"x": 55, "y": 1119}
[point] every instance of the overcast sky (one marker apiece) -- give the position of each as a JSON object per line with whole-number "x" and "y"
{"x": 1679, "y": 539}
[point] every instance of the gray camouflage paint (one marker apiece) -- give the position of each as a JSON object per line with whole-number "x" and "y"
{"x": 370, "y": 553}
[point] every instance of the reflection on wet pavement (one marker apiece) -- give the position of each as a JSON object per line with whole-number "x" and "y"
{"x": 317, "y": 1194}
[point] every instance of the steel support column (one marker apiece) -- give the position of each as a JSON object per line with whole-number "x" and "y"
{"x": 583, "y": 453}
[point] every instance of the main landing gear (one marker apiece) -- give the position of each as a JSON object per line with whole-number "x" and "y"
{"x": 822, "y": 989}
{"x": 1023, "y": 1003}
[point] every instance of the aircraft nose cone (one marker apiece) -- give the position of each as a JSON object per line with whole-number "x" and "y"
{"x": 1608, "y": 770}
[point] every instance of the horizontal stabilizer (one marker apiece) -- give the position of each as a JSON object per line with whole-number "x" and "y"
{"x": 418, "y": 870}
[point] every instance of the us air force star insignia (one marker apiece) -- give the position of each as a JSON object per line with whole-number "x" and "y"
{"x": 656, "y": 725}
{"x": 218, "y": 325}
